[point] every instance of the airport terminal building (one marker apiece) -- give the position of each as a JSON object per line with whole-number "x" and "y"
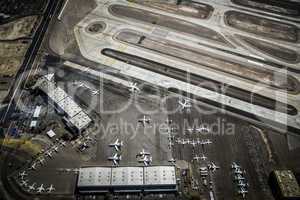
{"x": 93, "y": 180}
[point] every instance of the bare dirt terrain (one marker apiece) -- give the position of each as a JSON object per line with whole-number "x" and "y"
{"x": 189, "y": 9}
{"x": 288, "y": 8}
{"x": 20, "y": 28}
{"x": 165, "y": 21}
{"x": 11, "y": 57}
{"x": 262, "y": 26}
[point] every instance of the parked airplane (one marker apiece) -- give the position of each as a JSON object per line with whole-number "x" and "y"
{"x": 31, "y": 187}
{"x": 134, "y": 88}
{"x": 171, "y": 144}
{"x": 187, "y": 141}
{"x": 55, "y": 148}
{"x": 89, "y": 139}
{"x": 238, "y": 177}
{"x": 169, "y": 121}
{"x": 147, "y": 160}
{"x": 172, "y": 160}
{"x": 197, "y": 158}
{"x": 204, "y": 142}
{"x": 235, "y": 166}
{"x": 24, "y": 183}
{"x": 50, "y": 189}
{"x": 49, "y": 154}
{"x": 116, "y": 158}
{"x": 95, "y": 92}
{"x": 202, "y": 129}
{"x": 144, "y": 120}
{"x": 193, "y": 143}
{"x": 239, "y": 171}
{"x": 178, "y": 141}
{"x": 190, "y": 130}
{"x": 185, "y": 104}
{"x": 33, "y": 166}
{"x": 213, "y": 167}
{"x": 83, "y": 146}
{"x": 242, "y": 184}
{"x": 171, "y": 137}
{"x": 203, "y": 169}
{"x": 242, "y": 191}
{"x": 63, "y": 143}
{"x": 117, "y": 145}
{"x": 23, "y": 174}
{"x": 40, "y": 189}
{"x": 143, "y": 153}
{"x": 169, "y": 129}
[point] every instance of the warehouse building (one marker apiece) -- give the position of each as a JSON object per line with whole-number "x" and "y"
{"x": 126, "y": 179}
{"x": 284, "y": 185}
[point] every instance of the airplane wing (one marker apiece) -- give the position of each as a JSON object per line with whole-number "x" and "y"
{"x": 115, "y": 162}
{"x": 146, "y": 163}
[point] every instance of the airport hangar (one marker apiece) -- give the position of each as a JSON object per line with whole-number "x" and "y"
{"x": 152, "y": 179}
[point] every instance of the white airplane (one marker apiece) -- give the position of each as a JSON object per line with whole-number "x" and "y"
{"x": 242, "y": 191}
{"x": 197, "y": 158}
{"x": 169, "y": 129}
{"x": 169, "y": 121}
{"x": 117, "y": 145}
{"x": 202, "y": 129}
{"x": 171, "y": 137}
{"x": 190, "y": 130}
{"x": 239, "y": 177}
{"x": 55, "y": 149}
{"x": 24, "y": 183}
{"x": 63, "y": 143}
{"x": 115, "y": 159}
{"x": 83, "y": 146}
{"x": 23, "y": 174}
{"x": 185, "y": 104}
{"x": 213, "y": 167}
{"x": 133, "y": 88}
{"x": 144, "y": 120}
{"x": 79, "y": 84}
{"x": 49, "y": 154}
{"x": 172, "y": 160}
{"x": 178, "y": 141}
{"x": 40, "y": 189}
{"x": 239, "y": 171}
{"x": 88, "y": 138}
{"x": 33, "y": 166}
{"x": 235, "y": 166}
{"x": 204, "y": 142}
{"x": 193, "y": 143}
{"x": 242, "y": 184}
{"x": 143, "y": 153}
{"x": 171, "y": 144}
{"x": 187, "y": 141}
{"x": 147, "y": 160}
{"x": 31, "y": 187}
{"x": 203, "y": 169}
{"x": 50, "y": 189}
{"x": 41, "y": 160}
{"x": 95, "y": 92}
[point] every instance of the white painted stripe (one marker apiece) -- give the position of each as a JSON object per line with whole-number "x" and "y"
{"x": 255, "y": 56}
{"x": 62, "y": 10}
{"x": 255, "y": 63}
